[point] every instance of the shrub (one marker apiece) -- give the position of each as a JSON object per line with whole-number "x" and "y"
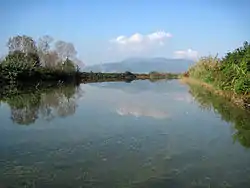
{"x": 232, "y": 72}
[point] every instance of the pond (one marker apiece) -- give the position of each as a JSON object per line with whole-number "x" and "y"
{"x": 115, "y": 135}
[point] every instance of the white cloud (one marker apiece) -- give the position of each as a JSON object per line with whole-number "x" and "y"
{"x": 187, "y": 54}
{"x": 159, "y": 36}
{"x": 138, "y": 42}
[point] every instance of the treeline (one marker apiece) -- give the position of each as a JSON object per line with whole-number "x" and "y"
{"x": 230, "y": 73}
{"x": 154, "y": 75}
{"x": 98, "y": 76}
{"x": 44, "y": 59}
{"x": 29, "y": 60}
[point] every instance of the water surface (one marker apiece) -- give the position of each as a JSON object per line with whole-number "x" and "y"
{"x": 138, "y": 134}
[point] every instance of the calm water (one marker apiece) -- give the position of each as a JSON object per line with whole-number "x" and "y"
{"x": 122, "y": 135}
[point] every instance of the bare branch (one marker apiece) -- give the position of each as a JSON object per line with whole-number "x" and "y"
{"x": 23, "y": 44}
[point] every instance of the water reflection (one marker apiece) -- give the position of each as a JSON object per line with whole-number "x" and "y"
{"x": 239, "y": 118}
{"x": 142, "y": 86}
{"x": 140, "y": 110}
{"x": 59, "y": 101}
{"x": 104, "y": 145}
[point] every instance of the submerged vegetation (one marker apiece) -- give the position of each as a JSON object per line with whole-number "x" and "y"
{"x": 230, "y": 73}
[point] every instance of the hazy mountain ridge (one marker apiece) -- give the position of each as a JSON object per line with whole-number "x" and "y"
{"x": 143, "y": 65}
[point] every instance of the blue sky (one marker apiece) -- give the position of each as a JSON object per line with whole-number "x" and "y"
{"x": 111, "y": 30}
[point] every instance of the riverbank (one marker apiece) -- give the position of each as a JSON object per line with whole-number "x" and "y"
{"x": 41, "y": 75}
{"x": 228, "y": 76}
{"x": 19, "y": 67}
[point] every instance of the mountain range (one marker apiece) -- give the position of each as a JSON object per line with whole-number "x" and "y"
{"x": 143, "y": 65}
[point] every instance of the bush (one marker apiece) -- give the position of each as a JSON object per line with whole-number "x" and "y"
{"x": 31, "y": 61}
{"x": 19, "y": 66}
{"x": 232, "y": 72}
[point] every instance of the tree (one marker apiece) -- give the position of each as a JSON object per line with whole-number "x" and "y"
{"x": 43, "y": 49}
{"x": 44, "y": 43}
{"x": 65, "y": 50}
{"x": 21, "y": 60}
{"x": 22, "y": 43}
{"x": 51, "y": 59}
{"x": 2, "y": 58}
{"x": 33, "y": 59}
{"x": 69, "y": 66}
{"x": 78, "y": 62}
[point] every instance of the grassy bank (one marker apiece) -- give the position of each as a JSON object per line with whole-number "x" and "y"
{"x": 228, "y": 76}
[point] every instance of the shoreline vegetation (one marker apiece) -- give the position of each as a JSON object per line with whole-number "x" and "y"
{"x": 46, "y": 60}
{"x": 46, "y": 63}
{"x": 228, "y": 76}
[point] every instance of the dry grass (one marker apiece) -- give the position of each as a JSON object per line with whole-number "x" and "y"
{"x": 230, "y": 73}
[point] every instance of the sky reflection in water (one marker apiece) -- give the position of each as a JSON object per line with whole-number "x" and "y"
{"x": 138, "y": 134}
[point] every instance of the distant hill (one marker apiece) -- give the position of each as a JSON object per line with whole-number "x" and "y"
{"x": 143, "y": 65}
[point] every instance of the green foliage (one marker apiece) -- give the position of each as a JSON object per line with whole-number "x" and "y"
{"x": 27, "y": 62}
{"x": 68, "y": 66}
{"x": 232, "y": 72}
{"x": 31, "y": 61}
{"x": 18, "y": 64}
{"x": 98, "y": 76}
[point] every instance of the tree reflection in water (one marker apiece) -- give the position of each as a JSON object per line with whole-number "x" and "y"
{"x": 238, "y": 117}
{"x": 26, "y": 108}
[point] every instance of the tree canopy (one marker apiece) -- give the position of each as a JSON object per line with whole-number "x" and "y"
{"x": 26, "y": 55}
